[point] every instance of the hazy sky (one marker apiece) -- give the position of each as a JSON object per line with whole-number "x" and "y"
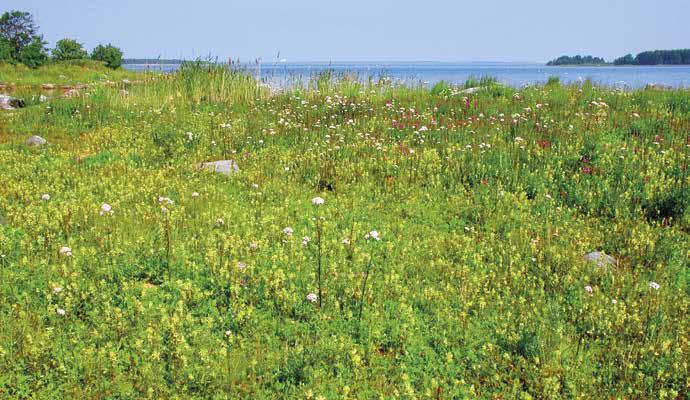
{"x": 358, "y": 30}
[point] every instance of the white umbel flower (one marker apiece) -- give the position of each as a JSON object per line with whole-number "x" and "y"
{"x": 106, "y": 209}
{"x": 373, "y": 235}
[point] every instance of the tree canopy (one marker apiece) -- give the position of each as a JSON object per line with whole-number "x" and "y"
{"x": 111, "y": 55}
{"x": 627, "y": 59}
{"x": 665, "y": 57}
{"x": 68, "y": 49}
{"x": 18, "y": 29}
{"x": 5, "y": 50}
{"x": 577, "y": 60}
{"x": 21, "y": 42}
{"x": 652, "y": 57}
{"x": 34, "y": 54}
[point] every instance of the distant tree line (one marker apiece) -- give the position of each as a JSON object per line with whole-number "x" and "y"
{"x": 152, "y": 61}
{"x": 577, "y": 60}
{"x": 20, "y": 42}
{"x": 654, "y": 57}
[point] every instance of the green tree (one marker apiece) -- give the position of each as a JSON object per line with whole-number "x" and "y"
{"x": 628, "y": 59}
{"x": 18, "y": 29}
{"x": 111, "y": 55}
{"x": 34, "y": 54}
{"x": 68, "y": 49}
{"x": 577, "y": 60}
{"x": 5, "y": 51}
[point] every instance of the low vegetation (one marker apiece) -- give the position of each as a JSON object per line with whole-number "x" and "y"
{"x": 67, "y": 73}
{"x": 378, "y": 241}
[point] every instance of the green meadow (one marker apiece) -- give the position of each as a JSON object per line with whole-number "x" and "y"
{"x": 373, "y": 241}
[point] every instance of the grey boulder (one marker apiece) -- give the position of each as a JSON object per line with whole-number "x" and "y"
{"x": 471, "y": 90}
{"x": 36, "y": 140}
{"x": 225, "y": 167}
{"x": 10, "y": 103}
{"x": 601, "y": 259}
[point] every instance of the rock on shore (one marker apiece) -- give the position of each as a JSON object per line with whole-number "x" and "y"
{"x": 10, "y": 103}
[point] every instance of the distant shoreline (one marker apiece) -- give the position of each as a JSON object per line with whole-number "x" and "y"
{"x": 152, "y": 61}
{"x": 649, "y": 58}
{"x": 617, "y": 66}
{"x": 384, "y": 63}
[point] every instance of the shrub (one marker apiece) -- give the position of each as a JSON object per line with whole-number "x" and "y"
{"x": 553, "y": 81}
{"x": 666, "y": 205}
{"x": 68, "y": 49}
{"x": 440, "y": 88}
{"x": 111, "y": 55}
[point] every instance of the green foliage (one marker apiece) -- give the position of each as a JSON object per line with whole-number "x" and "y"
{"x": 5, "y": 51}
{"x": 68, "y": 49}
{"x": 67, "y": 73}
{"x": 111, "y": 55}
{"x": 190, "y": 286}
{"x": 34, "y": 54}
{"x": 471, "y": 82}
{"x": 654, "y": 57}
{"x": 666, "y": 57}
{"x": 19, "y": 30}
{"x": 627, "y": 59}
{"x": 577, "y": 60}
{"x": 440, "y": 88}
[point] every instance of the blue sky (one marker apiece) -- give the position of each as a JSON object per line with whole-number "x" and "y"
{"x": 374, "y": 30}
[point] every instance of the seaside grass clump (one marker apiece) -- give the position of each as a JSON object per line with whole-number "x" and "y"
{"x": 376, "y": 241}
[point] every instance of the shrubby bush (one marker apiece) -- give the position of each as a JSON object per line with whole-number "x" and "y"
{"x": 111, "y": 55}
{"x": 68, "y": 49}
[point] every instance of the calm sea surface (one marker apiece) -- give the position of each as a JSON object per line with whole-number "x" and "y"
{"x": 428, "y": 73}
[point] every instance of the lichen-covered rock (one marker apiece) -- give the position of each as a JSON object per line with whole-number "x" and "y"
{"x": 600, "y": 258}
{"x": 10, "y": 103}
{"x": 471, "y": 90}
{"x": 36, "y": 140}
{"x": 225, "y": 167}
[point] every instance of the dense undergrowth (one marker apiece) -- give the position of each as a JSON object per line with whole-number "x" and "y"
{"x": 127, "y": 272}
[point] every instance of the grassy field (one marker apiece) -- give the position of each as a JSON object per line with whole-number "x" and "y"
{"x": 446, "y": 261}
{"x": 68, "y": 73}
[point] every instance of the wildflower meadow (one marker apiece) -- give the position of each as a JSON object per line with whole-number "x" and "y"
{"x": 201, "y": 235}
